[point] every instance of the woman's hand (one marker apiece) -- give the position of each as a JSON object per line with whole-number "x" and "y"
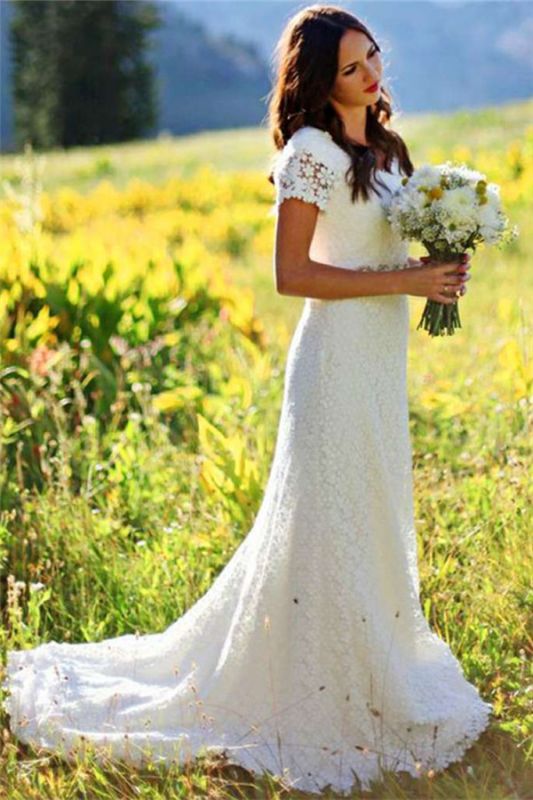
{"x": 439, "y": 281}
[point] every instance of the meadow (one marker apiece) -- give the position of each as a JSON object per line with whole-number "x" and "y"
{"x": 142, "y": 353}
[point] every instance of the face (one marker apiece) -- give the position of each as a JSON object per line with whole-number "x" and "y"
{"x": 353, "y": 78}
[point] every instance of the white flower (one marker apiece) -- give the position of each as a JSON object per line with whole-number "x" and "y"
{"x": 460, "y": 174}
{"x": 488, "y": 216}
{"x": 426, "y": 175}
{"x": 459, "y": 204}
{"x": 417, "y": 201}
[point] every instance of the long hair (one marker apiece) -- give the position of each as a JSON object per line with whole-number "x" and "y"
{"x": 307, "y": 55}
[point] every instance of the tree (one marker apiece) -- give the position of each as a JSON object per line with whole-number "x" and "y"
{"x": 80, "y": 71}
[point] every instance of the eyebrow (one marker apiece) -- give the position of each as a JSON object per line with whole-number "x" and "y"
{"x": 357, "y": 62}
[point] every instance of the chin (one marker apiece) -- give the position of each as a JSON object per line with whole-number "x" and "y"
{"x": 371, "y": 98}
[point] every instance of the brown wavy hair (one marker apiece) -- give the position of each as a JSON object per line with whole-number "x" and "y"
{"x": 307, "y": 55}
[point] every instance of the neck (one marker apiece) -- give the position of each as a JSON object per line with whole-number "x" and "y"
{"x": 354, "y": 119}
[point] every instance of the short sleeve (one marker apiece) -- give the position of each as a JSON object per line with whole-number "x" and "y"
{"x": 305, "y": 170}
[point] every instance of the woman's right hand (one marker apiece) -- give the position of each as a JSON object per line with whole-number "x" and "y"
{"x": 437, "y": 280}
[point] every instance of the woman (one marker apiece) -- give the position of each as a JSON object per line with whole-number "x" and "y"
{"x": 309, "y": 657}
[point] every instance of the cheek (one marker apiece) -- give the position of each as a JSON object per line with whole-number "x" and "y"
{"x": 349, "y": 85}
{"x": 356, "y": 85}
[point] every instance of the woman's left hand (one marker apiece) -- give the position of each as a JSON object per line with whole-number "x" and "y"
{"x": 462, "y": 268}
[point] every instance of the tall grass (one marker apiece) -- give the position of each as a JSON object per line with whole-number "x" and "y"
{"x": 142, "y": 358}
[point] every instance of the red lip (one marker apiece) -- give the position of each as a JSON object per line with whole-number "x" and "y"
{"x": 373, "y": 88}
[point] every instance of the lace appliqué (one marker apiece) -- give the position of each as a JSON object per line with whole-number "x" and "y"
{"x": 385, "y": 267}
{"x": 305, "y": 177}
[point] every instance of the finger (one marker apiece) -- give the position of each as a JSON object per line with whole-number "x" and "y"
{"x": 446, "y": 266}
{"x": 451, "y": 288}
{"x": 455, "y": 283}
{"x": 464, "y": 262}
{"x": 447, "y": 287}
{"x": 452, "y": 268}
{"x": 444, "y": 298}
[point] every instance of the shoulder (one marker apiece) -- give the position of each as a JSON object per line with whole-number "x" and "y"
{"x": 315, "y": 145}
{"x": 309, "y": 136}
{"x": 308, "y": 167}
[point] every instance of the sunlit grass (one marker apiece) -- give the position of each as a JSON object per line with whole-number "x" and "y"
{"x": 138, "y": 412}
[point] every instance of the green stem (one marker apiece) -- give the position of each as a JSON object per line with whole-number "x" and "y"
{"x": 440, "y": 318}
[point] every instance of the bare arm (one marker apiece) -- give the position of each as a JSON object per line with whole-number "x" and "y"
{"x": 296, "y": 274}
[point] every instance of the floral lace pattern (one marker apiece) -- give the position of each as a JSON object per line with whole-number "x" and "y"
{"x": 307, "y": 178}
{"x": 309, "y": 657}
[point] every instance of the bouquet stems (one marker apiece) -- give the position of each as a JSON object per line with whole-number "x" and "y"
{"x": 440, "y": 319}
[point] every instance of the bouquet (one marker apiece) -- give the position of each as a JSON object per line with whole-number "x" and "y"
{"x": 449, "y": 209}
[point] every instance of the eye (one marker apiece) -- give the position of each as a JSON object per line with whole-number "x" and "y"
{"x": 352, "y": 69}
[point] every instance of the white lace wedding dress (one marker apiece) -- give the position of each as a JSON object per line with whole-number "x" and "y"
{"x": 309, "y": 656}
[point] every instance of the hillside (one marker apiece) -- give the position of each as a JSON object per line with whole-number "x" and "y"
{"x": 249, "y": 148}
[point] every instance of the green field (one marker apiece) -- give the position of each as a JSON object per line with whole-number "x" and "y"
{"x": 117, "y": 513}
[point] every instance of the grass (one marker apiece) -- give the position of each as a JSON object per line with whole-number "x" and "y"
{"x": 128, "y": 530}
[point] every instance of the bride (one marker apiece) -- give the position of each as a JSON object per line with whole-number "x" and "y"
{"x": 309, "y": 657}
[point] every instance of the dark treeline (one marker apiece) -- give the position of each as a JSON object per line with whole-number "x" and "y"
{"x": 80, "y": 71}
